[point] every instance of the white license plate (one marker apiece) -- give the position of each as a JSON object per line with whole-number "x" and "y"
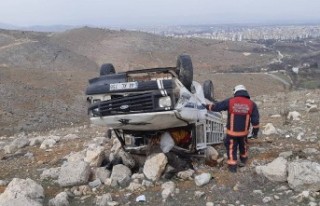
{"x": 122, "y": 86}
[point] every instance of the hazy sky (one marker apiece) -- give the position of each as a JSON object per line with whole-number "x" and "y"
{"x": 155, "y": 12}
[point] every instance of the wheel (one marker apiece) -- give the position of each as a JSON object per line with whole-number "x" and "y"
{"x": 106, "y": 69}
{"x": 184, "y": 64}
{"x": 208, "y": 90}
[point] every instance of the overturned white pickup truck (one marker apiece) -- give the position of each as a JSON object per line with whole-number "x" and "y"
{"x": 165, "y": 104}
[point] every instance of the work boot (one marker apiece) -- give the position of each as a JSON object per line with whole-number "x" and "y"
{"x": 232, "y": 168}
{"x": 243, "y": 162}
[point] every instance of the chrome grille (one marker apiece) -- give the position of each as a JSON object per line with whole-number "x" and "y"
{"x": 128, "y": 104}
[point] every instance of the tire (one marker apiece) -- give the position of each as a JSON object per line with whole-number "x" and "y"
{"x": 208, "y": 90}
{"x": 184, "y": 65}
{"x": 106, "y": 69}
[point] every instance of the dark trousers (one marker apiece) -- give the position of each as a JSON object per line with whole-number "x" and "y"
{"x": 232, "y": 144}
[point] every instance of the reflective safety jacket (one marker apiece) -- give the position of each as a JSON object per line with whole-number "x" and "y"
{"x": 241, "y": 112}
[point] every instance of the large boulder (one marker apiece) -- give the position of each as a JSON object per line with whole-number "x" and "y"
{"x": 211, "y": 156}
{"x": 269, "y": 129}
{"x": 186, "y": 174}
{"x": 304, "y": 175}
{"x": 311, "y": 106}
{"x": 154, "y": 166}
{"x": 10, "y": 148}
{"x": 167, "y": 189}
{"x": 76, "y": 156}
{"x": 51, "y": 173}
{"x": 275, "y": 171}
{"x": 74, "y": 173}
{"x": 22, "y": 192}
{"x": 202, "y": 179}
{"x": 121, "y": 174}
{"x": 36, "y": 140}
{"x": 61, "y": 199}
{"x": 21, "y": 142}
{"x": 127, "y": 159}
{"x": 294, "y": 115}
{"x": 95, "y": 156}
{"x": 101, "y": 173}
{"x": 48, "y": 143}
{"x": 116, "y": 146}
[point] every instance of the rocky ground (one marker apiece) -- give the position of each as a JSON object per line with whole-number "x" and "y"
{"x": 68, "y": 166}
{"x": 43, "y": 77}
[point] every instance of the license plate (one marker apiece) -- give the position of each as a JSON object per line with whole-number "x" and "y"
{"x": 123, "y": 86}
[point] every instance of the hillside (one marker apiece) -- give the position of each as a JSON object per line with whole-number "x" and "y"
{"x": 33, "y": 50}
{"x": 128, "y": 50}
{"x": 51, "y": 155}
{"x": 43, "y": 75}
{"x": 41, "y": 84}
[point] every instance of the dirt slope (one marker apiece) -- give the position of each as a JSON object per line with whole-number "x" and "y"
{"x": 43, "y": 76}
{"x": 127, "y": 50}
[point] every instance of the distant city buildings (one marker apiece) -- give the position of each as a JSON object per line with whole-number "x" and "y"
{"x": 238, "y": 33}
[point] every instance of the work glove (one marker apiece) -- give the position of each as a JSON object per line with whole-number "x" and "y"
{"x": 205, "y": 106}
{"x": 208, "y": 106}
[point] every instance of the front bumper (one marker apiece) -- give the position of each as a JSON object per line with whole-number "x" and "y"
{"x": 143, "y": 121}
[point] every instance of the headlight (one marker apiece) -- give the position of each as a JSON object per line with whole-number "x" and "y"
{"x": 164, "y": 102}
{"x": 96, "y": 111}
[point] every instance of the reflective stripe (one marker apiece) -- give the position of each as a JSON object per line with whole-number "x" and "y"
{"x": 245, "y": 155}
{"x": 231, "y": 161}
{"x": 231, "y": 122}
{"x": 247, "y": 121}
{"x": 255, "y": 126}
{"x": 237, "y": 134}
{"x": 231, "y": 149}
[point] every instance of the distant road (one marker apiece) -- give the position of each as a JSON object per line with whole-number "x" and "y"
{"x": 17, "y": 43}
{"x": 270, "y": 74}
{"x": 280, "y": 79}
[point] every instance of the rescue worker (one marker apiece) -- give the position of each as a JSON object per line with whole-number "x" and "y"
{"x": 241, "y": 112}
